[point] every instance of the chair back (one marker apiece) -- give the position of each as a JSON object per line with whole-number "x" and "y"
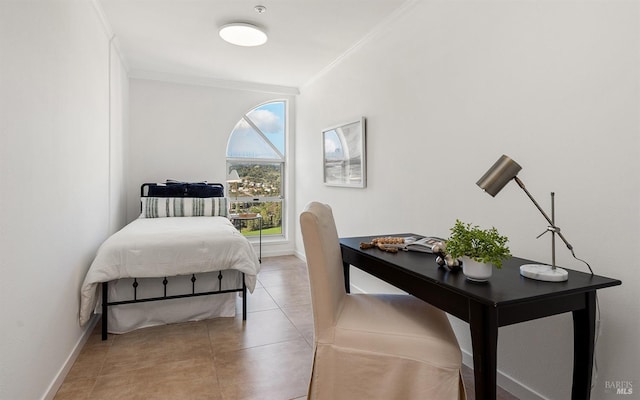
{"x": 324, "y": 260}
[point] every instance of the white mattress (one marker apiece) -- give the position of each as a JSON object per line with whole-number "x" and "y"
{"x": 159, "y": 247}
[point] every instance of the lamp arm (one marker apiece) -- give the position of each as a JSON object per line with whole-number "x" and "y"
{"x": 556, "y": 229}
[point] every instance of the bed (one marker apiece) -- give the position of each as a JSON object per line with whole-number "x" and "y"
{"x": 182, "y": 249}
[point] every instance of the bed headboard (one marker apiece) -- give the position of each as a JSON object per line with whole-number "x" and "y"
{"x": 182, "y": 199}
{"x": 182, "y": 189}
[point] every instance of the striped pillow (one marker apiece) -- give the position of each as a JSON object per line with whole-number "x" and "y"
{"x": 159, "y": 207}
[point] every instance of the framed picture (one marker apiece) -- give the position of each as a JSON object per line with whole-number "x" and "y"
{"x": 344, "y": 155}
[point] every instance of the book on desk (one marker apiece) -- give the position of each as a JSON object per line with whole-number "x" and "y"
{"x": 420, "y": 244}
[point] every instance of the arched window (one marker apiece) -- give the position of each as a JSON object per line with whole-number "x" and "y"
{"x": 256, "y": 151}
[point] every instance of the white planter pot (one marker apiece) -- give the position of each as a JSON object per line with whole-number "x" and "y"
{"x": 476, "y": 271}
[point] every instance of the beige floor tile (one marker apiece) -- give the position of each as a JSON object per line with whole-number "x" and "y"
{"x": 259, "y": 300}
{"x": 285, "y": 296}
{"x": 276, "y": 371}
{"x": 184, "y": 379}
{"x": 75, "y": 389}
{"x": 301, "y": 316}
{"x": 288, "y": 278}
{"x": 260, "y": 328}
{"x": 95, "y": 339}
{"x": 145, "y": 348}
{"x": 89, "y": 363}
{"x": 283, "y": 263}
{"x": 266, "y": 357}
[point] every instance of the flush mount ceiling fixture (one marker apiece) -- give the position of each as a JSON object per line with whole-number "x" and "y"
{"x": 243, "y": 34}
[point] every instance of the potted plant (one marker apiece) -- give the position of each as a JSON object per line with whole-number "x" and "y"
{"x": 478, "y": 248}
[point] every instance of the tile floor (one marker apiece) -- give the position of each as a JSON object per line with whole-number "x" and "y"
{"x": 268, "y": 357}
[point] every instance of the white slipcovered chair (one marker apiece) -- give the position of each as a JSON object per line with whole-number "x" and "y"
{"x": 372, "y": 346}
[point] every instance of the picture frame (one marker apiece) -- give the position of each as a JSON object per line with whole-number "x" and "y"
{"x": 344, "y": 155}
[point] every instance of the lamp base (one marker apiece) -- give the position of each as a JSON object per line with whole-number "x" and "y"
{"x": 543, "y": 272}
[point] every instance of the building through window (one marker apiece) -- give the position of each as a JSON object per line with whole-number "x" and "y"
{"x": 256, "y": 151}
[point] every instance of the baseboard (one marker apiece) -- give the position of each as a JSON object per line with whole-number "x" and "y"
{"x": 272, "y": 247}
{"x": 276, "y": 252}
{"x": 507, "y": 382}
{"x": 66, "y": 367}
{"x": 300, "y": 255}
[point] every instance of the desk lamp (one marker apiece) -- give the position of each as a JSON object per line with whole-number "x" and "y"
{"x": 234, "y": 178}
{"x": 492, "y": 182}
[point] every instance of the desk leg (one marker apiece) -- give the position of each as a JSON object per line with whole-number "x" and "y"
{"x": 484, "y": 339}
{"x": 347, "y": 283}
{"x": 584, "y": 328}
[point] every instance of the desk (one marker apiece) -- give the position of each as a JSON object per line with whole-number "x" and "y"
{"x": 506, "y": 299}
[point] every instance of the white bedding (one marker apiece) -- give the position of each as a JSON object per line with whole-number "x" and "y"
{"x": 158, "y": 247}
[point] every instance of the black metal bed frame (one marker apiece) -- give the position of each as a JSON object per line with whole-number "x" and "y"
{"x": 184, "y": 192}
{"x": 106, "y": 303}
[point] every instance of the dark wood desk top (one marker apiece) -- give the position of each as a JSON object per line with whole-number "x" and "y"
{"x": 505, "y": 287}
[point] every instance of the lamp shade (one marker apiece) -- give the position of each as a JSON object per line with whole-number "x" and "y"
{"x": 504, "y": 170}
{"x": 233, "y": 177}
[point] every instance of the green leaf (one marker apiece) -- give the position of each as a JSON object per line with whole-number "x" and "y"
{"x": 482, "y": 245}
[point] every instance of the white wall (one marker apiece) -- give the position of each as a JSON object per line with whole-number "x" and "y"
{"x": 450, "y": 86}
{"x": 180, "y": 131}
{"x": 55, "y": 169}
{"x": 118, "y": 139}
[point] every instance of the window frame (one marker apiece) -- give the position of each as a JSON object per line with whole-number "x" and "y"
{"x": 282, "y": 161}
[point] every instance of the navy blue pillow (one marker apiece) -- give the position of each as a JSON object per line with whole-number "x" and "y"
{"x": 205, "y": 190}
{"x": 184, "y": 189}
{"x": 172, "y": 190}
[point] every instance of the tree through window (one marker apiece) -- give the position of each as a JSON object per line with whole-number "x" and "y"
{"x": 256, "y": 150}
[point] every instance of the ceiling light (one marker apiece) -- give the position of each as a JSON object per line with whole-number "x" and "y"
{"x": 243, "y": 34}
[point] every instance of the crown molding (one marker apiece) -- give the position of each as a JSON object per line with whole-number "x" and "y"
{"x": 103, "y": 18}
{"x": 106, "y": 26}
{"x": 377, "y": 31}
{"x": 212, "y": 82}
